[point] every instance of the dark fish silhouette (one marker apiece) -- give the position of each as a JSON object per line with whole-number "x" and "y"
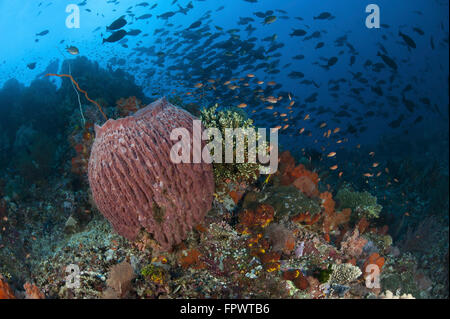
{"x": 116, "y": 36}
{"x": 134, "y": 32}
{"x": 119, "y": 23}
{"x": 390, "y": 62}
{"x": 324, "y": 16}
{"x": 297, "y": 33}
{"x": 408, "y": 40}
{"x": 144, "y": 16}
{"x": 42, "y": 33}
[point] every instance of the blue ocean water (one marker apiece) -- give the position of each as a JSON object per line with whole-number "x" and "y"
{"x": 358, "y": 105}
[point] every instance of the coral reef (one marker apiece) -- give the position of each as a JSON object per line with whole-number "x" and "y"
{"x": 361, "y": 203}
{"x": 5, "y": 291}
{"x": 226, "y": 173}
{"x": 344, "y": 273}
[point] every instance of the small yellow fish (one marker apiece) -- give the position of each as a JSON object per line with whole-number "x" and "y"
{"x": 242, "y": 105}
{"x": 72, "y": 50}
{"x": 334, "y": 167}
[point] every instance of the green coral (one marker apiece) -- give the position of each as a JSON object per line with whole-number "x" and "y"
{"x": 153, "y": 273}
{"x": 323, "y": 275}
{"x": 362, "y": 204}
{"x": 232, "y": 119}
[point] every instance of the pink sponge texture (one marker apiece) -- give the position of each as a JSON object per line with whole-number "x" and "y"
{"x": 135, "y": 184}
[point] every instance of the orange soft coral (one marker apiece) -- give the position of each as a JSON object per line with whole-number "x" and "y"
{"x": 297, "y": 278}
{"x": 5, "y": 291}
{"x": 300, "y": 170}
{"x": 335, "y": 219}
{"x": 352, "y": 245}
{"x": 307, "y": 186}
{"x": 258, "y": 218}
{"x": 299, "y": 176}
{"x": 327, "y": 202}
{"x": 192, "y": 258}
{"x": 33, "y": 292}
{"x": 374, "y": 259}
{"x": 306, "y": 218}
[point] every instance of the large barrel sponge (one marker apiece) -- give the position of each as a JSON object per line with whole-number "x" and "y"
{"x": 136, "y": 185}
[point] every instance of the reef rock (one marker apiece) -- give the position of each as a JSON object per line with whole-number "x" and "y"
{"x": 136, "y": 185}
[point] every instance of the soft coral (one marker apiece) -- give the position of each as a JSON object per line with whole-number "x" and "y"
{"x": 5, "y": 291}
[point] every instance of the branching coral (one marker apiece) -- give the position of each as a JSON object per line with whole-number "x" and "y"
{"x": 344, "y": 273}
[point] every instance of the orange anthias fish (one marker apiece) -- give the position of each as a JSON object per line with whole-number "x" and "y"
{"x": 331, "y": 154}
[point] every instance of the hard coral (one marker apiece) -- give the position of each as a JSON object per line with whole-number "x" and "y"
{"x": 362, "y": 204}
{"x": 225, "y": 173}
{"x": 344, "y": 273}
{"x": 136, "y": 185}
